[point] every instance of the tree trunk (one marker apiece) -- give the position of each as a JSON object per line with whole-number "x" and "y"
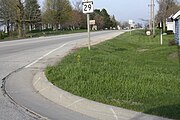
{"x": 20, "y": 15}
{"x": 8, "y": 27}
{"x": 20, "y": 29}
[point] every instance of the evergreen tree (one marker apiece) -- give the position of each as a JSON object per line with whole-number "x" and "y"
{"x": 107, "y": 19}
{"x": 113, "y": 21}
{"x": 96, "y": 15}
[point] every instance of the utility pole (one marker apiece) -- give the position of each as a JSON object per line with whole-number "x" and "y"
{"x": 153, "y": 17}
{"x": 151, "y": 20}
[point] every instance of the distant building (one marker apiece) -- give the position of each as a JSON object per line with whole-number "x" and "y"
{"x": 170, "y": 24}
{"x": 118, "y": 27}
{"x": 94, "y": 27}
{"x": 176, "y": 18}
{"x": 1, "y": 25}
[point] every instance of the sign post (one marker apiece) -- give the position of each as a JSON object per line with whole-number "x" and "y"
{"x": 88, "y": 27}
{"x": 87, "y": 9}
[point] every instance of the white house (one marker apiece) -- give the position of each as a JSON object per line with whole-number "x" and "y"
{"x": 1, "y": 25}
{"x": 176, "y": 18}
{"x": 170, "y": 24}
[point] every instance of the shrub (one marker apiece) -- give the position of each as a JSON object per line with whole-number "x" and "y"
{"x": 1, "y": 35}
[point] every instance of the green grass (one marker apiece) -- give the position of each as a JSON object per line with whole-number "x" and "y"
{"x": 51, "y": 32}
{"x": 133, "y": 72}
{"x": 37, "y": 33}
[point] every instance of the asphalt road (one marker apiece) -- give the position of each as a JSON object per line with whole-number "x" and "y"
{"x": 20, "y": 59}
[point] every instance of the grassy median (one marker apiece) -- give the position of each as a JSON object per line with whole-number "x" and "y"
{"x": 130, "y": 71}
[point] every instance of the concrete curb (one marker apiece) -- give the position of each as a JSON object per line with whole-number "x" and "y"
{"x": 82, "y": 105}
{"x": 85, "y": 106}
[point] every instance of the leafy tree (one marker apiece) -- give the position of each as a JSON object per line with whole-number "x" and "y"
{"x": 57, "y": 12}
{"x": 48, "y": 13}
{"x": 32, "y": 13}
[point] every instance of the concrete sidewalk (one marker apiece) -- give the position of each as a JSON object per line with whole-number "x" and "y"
{"x": 87, "y": 107}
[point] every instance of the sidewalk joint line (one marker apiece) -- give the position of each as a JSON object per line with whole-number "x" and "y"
{"x": 114, "y": 113}
{"x": 37, "y": 81}
{"x": 75, "y": 102}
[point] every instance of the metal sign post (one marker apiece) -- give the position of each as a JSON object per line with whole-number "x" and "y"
{"x": 88, "y": 27}
{"x": 87, "y": 9}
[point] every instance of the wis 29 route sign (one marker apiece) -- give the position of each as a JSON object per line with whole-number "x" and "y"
{"x": 88, "y": 6}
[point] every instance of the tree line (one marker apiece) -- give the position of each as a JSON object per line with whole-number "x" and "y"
{"x": 23, "y": 16}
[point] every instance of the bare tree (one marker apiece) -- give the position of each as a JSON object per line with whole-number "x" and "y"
{"x": 6, "y": 14}
{"x": 13, "y": 11}
{"x": 99, "y": 21}
{"x": 77, "y": 4}
{"x": 166, "y": 9}
{"x": 76, "y": 19}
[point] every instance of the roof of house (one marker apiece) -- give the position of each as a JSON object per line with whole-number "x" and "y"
{"x": 169, "y": 20}
{"x": 177, "y": 15}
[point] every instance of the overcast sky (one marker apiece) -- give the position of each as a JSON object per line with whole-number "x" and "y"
{"x": 125, "y": 9}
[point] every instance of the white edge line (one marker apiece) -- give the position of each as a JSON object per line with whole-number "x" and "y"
{"x": 114, "y": 113}
{"x": 29, "y": 65}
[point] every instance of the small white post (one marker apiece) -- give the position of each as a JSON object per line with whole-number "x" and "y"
{"x": 161, "y": 34}
{"x": 161, "y": 37}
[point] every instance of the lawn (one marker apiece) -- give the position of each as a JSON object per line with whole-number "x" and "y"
{"x": 130, "y": 71}
{"x": 38, "y": 33}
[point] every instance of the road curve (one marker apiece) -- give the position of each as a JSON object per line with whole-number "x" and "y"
{"x": 21, "y": 59}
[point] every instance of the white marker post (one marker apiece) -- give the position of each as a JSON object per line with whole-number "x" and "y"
{"x": 130, "y": 24}
{"x": 87, "y": 9}
{"x": 161, "y": 34}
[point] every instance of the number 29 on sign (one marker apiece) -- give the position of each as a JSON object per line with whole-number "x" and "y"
{"x": 88, "y": 7}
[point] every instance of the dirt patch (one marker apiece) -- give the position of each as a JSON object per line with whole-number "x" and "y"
{"x": 142, "y": 50}
{"x": 173, "y": 55}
